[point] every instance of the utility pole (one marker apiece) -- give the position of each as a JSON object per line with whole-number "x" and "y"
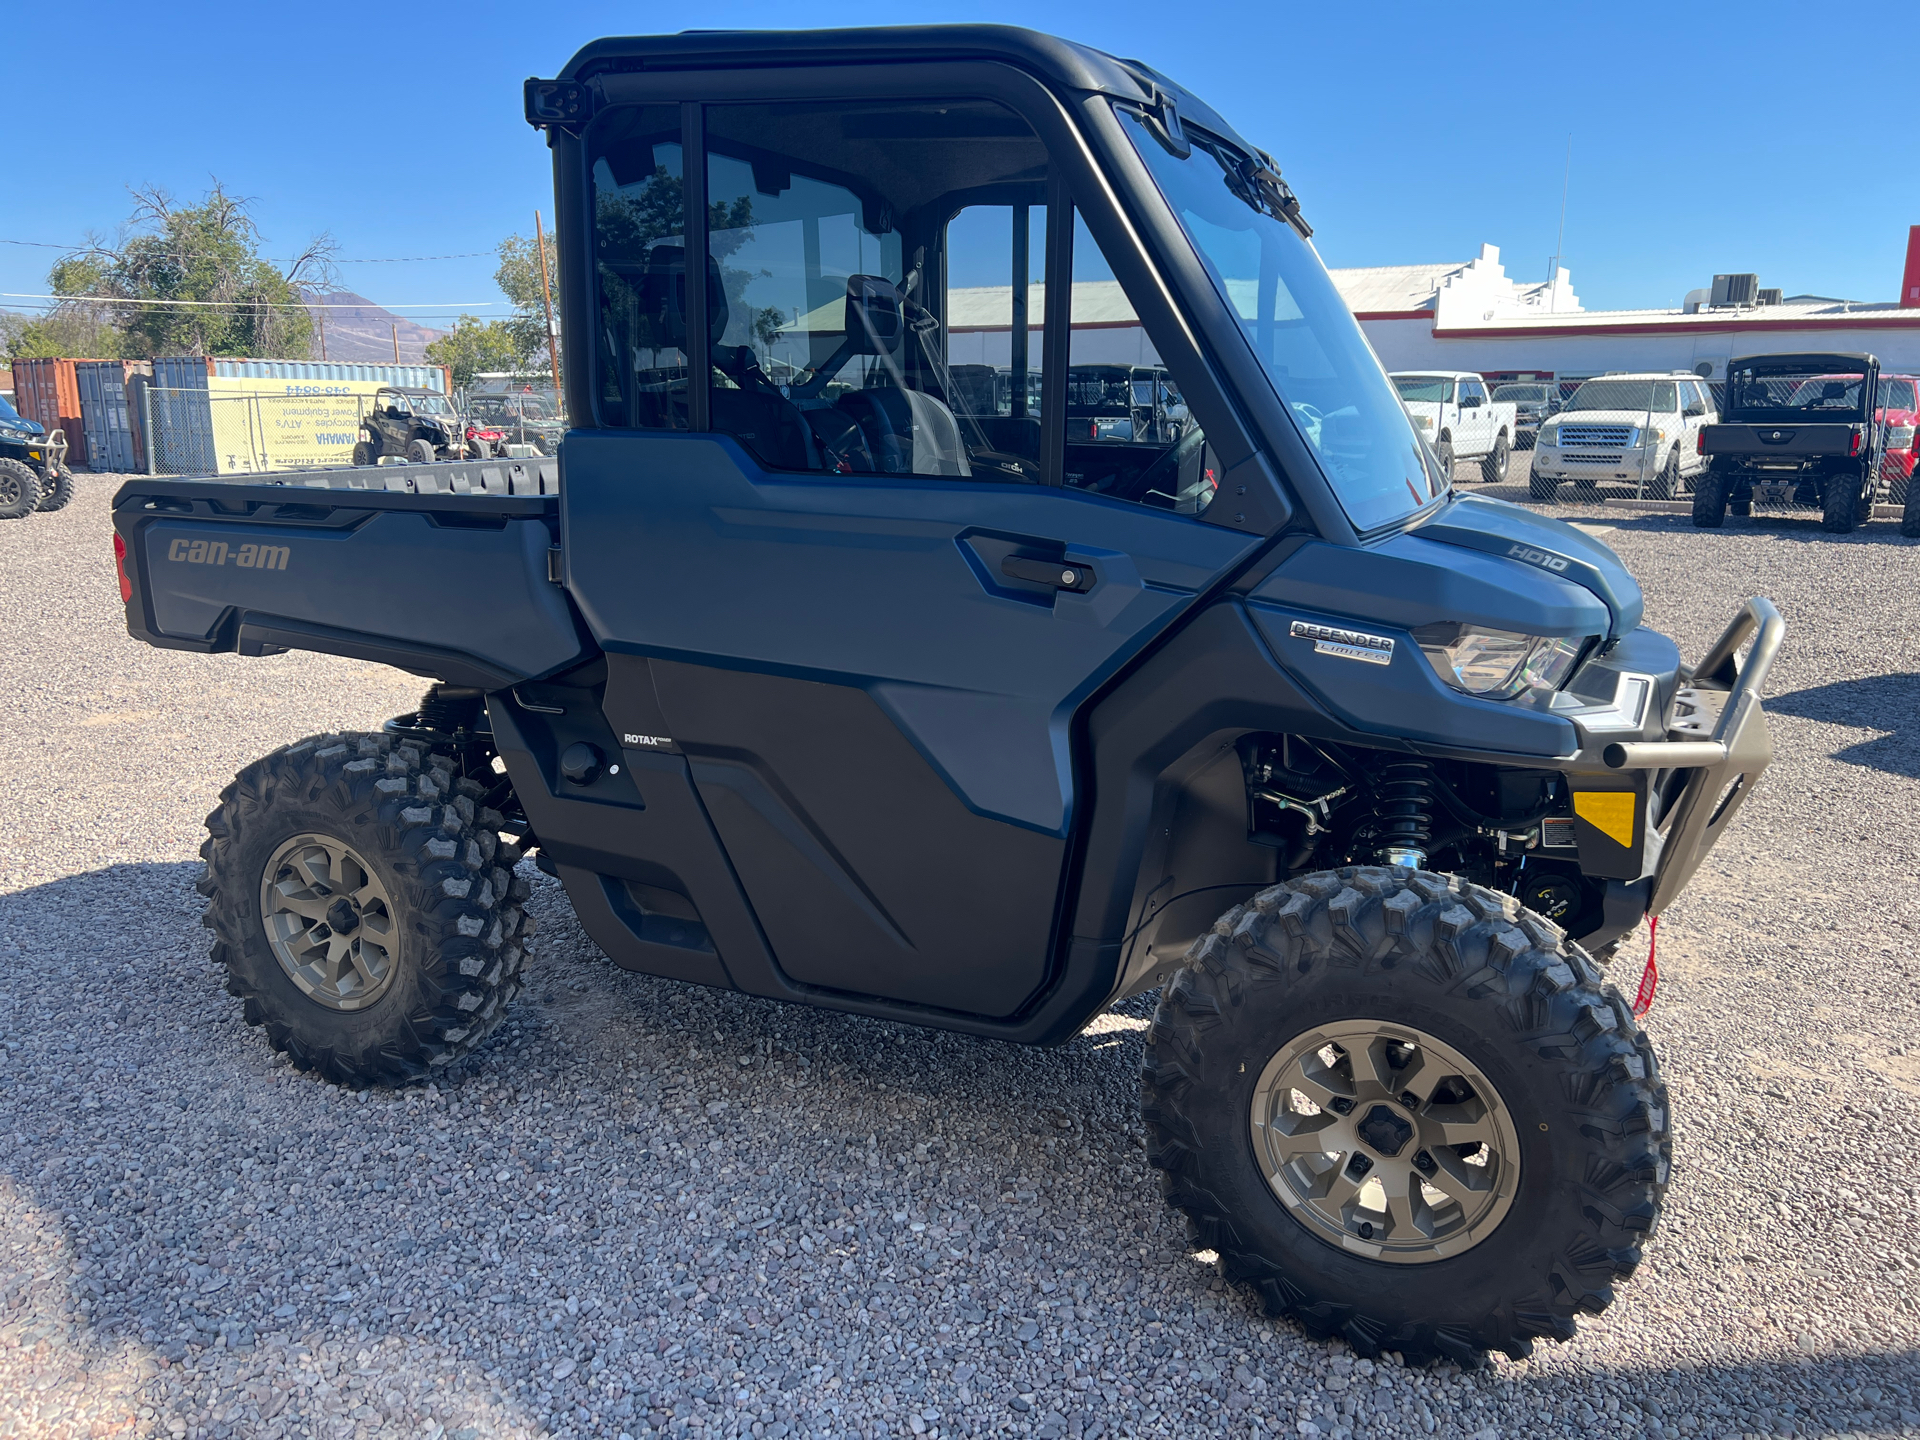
{"x": 546, "y": 297}
{"x": 323, "y": 332}
{"x": 396, "y": 342}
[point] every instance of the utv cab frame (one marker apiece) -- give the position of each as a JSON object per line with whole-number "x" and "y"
{"x": 826, "y": 678}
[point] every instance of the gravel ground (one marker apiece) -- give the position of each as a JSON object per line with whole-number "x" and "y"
{"x": 645, "y": 1206}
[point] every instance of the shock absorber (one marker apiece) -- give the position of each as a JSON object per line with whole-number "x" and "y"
{"x": 1403, "y": 802}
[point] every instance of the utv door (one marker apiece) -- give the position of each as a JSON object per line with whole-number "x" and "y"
{"x": 868, "y": 597}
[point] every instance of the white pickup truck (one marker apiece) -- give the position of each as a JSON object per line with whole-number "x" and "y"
{"x": 1451, "y": 409}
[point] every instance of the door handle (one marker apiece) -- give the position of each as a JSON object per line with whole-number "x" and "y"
{"x": 1061, "y": 575}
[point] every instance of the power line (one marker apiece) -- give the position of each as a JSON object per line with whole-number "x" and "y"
{"x": 291, "y": 259}
{"x": 256, "y": 304}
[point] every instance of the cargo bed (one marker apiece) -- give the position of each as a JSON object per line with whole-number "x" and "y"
{"x": 448, "y": 571}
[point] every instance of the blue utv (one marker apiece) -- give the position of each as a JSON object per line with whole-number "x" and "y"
{"x": 809, "y": 677}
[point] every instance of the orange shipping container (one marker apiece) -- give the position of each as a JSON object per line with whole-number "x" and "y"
{"x": 49, "y": 391}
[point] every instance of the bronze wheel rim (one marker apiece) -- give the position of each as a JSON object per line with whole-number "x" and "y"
{"x": 1385, "y": 1141}
{"x": 329, "y": 921}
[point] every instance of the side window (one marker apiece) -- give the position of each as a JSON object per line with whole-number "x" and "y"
{"x": 1473, "y": 392}
{"x": 1129, "y": 434}
{"x": 995, "y": 269}
{"x": 639, "y": 252}
{"x": 1665, "y": 401}
{"x": 831, "y": 286}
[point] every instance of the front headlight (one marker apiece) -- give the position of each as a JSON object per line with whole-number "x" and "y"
{"x": 1425, "y": 422}
{"x": 1549, "y": 436}
{"x": 1653, "y": 439}
{"x": 1497, "y": 664}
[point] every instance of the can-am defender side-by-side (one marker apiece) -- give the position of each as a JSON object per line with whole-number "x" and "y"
{"x": 1797, "y": 430}
{"x": 813, "y": 678}
{"x": 33, "y": 466}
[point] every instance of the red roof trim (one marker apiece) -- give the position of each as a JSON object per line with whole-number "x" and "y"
{"x": 1691, "y": 327}
{"x": 1393, "y": 314}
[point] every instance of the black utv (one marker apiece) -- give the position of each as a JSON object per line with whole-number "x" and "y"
{"x": 814, "y": 676}
{"x": 419, "y": 426}
{"x": 1799, "y": 430}
{"x": 33, "y": 466}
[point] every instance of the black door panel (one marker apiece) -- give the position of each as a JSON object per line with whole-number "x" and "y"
{"x": 866, "y": 870}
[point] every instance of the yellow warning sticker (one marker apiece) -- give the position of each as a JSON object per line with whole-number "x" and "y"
{"x": 1608, "y": 811}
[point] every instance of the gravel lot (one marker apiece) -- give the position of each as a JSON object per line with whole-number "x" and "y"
{"x": 646, "y": 1206}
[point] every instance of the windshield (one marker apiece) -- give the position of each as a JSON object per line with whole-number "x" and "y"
{"x": 7, "y": 412}
{"x": 1304, "y": 335}
{"x": 1894, "y": 395}
{"x": 1659, "y": 396}
{"x": 1521, "y": 394}
{"x": 1430, "y": 389}
{"x": 1803, "y": 392}
{"x": 431, "y": 405}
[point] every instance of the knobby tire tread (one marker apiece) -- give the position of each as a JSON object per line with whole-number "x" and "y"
{"x": 1538, "y": 989}
{"x": 448, "y": 872}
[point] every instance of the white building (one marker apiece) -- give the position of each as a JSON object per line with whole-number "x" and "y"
{"x": 1467, "y": 315}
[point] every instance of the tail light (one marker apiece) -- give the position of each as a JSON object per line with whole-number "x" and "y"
{"x": 1853, "y": 444}
{"x": 120, "y": 567}
{"x": 1700, "y": 442}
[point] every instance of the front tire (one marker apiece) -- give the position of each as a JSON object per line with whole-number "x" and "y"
{"x": 365, "y": 454}
{"x": 1910, "y": 513}
{"x": 363, "y": 907}
{"x": 421, "y": 453}
{"x": 56, "y": 489}
{"x": 1493, "y": 469}
{"x": 1451, "y": 1049}
{"x": 19, "y": 490}
{"x": 1666, "y": 485}
{"x": 1541, "y": 489}
{"x": 1444, "y": 450}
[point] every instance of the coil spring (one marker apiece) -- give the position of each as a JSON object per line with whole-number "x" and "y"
{"x": 446, "y": 712}
{"x": 1403, "y": 803}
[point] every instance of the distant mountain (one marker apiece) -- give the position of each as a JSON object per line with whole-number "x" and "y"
{"x": 365, "y": 331}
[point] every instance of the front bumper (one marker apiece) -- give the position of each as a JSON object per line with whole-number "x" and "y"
{"x": 1694, "y": 782}
{"x": 1631, "y": 464}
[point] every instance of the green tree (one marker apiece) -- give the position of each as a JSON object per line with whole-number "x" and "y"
{"x": 476, "y": 345}
{"x": 77, "y": 331}
{"x": 190, "y": 280}
{"x": 519, "y": 280}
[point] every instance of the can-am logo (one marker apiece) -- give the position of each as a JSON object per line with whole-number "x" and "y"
{"x": 217, "y": 552}
{"x": 1546, "y": 560}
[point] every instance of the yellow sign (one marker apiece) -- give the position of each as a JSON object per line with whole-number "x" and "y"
{"x": 1608, "y": 811}
{"x": 261, "y": 425}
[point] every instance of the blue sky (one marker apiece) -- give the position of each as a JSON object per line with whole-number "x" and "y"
{"x": 1411, "y": 135}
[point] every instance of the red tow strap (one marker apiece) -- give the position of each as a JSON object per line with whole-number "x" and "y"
{"x": 1650, "y": 977}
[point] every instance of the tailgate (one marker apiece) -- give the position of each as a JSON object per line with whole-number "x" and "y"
{"x": 455, "y": 587}
{"x": 1785, "y": 440}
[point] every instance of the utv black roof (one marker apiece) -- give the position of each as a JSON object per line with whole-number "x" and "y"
{"x": 1811, "y": 360}
{"x": 1047, "y": 57}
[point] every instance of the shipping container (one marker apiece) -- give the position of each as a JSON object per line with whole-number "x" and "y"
{"x": 47, "y": 391}
{"x": 105, "y": 417}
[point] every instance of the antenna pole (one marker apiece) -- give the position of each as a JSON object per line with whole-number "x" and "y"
{"x": 1559, "y": 241}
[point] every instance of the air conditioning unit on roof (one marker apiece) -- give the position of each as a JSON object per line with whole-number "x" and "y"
{"x": 1735, "y": 289}
{"x": 1770, "y": 297}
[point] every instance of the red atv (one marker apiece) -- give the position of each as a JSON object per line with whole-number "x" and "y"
{"x": 484, "y": 440}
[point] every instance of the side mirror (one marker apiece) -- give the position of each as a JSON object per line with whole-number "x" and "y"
{"x": 873, "y": 320}
{"x": 1470, "y": 403}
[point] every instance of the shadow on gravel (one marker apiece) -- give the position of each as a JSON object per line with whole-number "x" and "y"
{"x": 1889, "y": 703}
{"x": 1861, "y": 1394}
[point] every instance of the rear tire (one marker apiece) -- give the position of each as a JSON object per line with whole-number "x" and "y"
{"x": 365, "y": 454}
{"x": 438, "y": 945}
{"x": 19, "y": 490}
{"x": 1910, "y": 514}
{"x": 1493, "y": 469}
{"x": 1840, "y": 505}
{"x": 1710, "y": 500}
{"x": 1490, "y": 1019}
